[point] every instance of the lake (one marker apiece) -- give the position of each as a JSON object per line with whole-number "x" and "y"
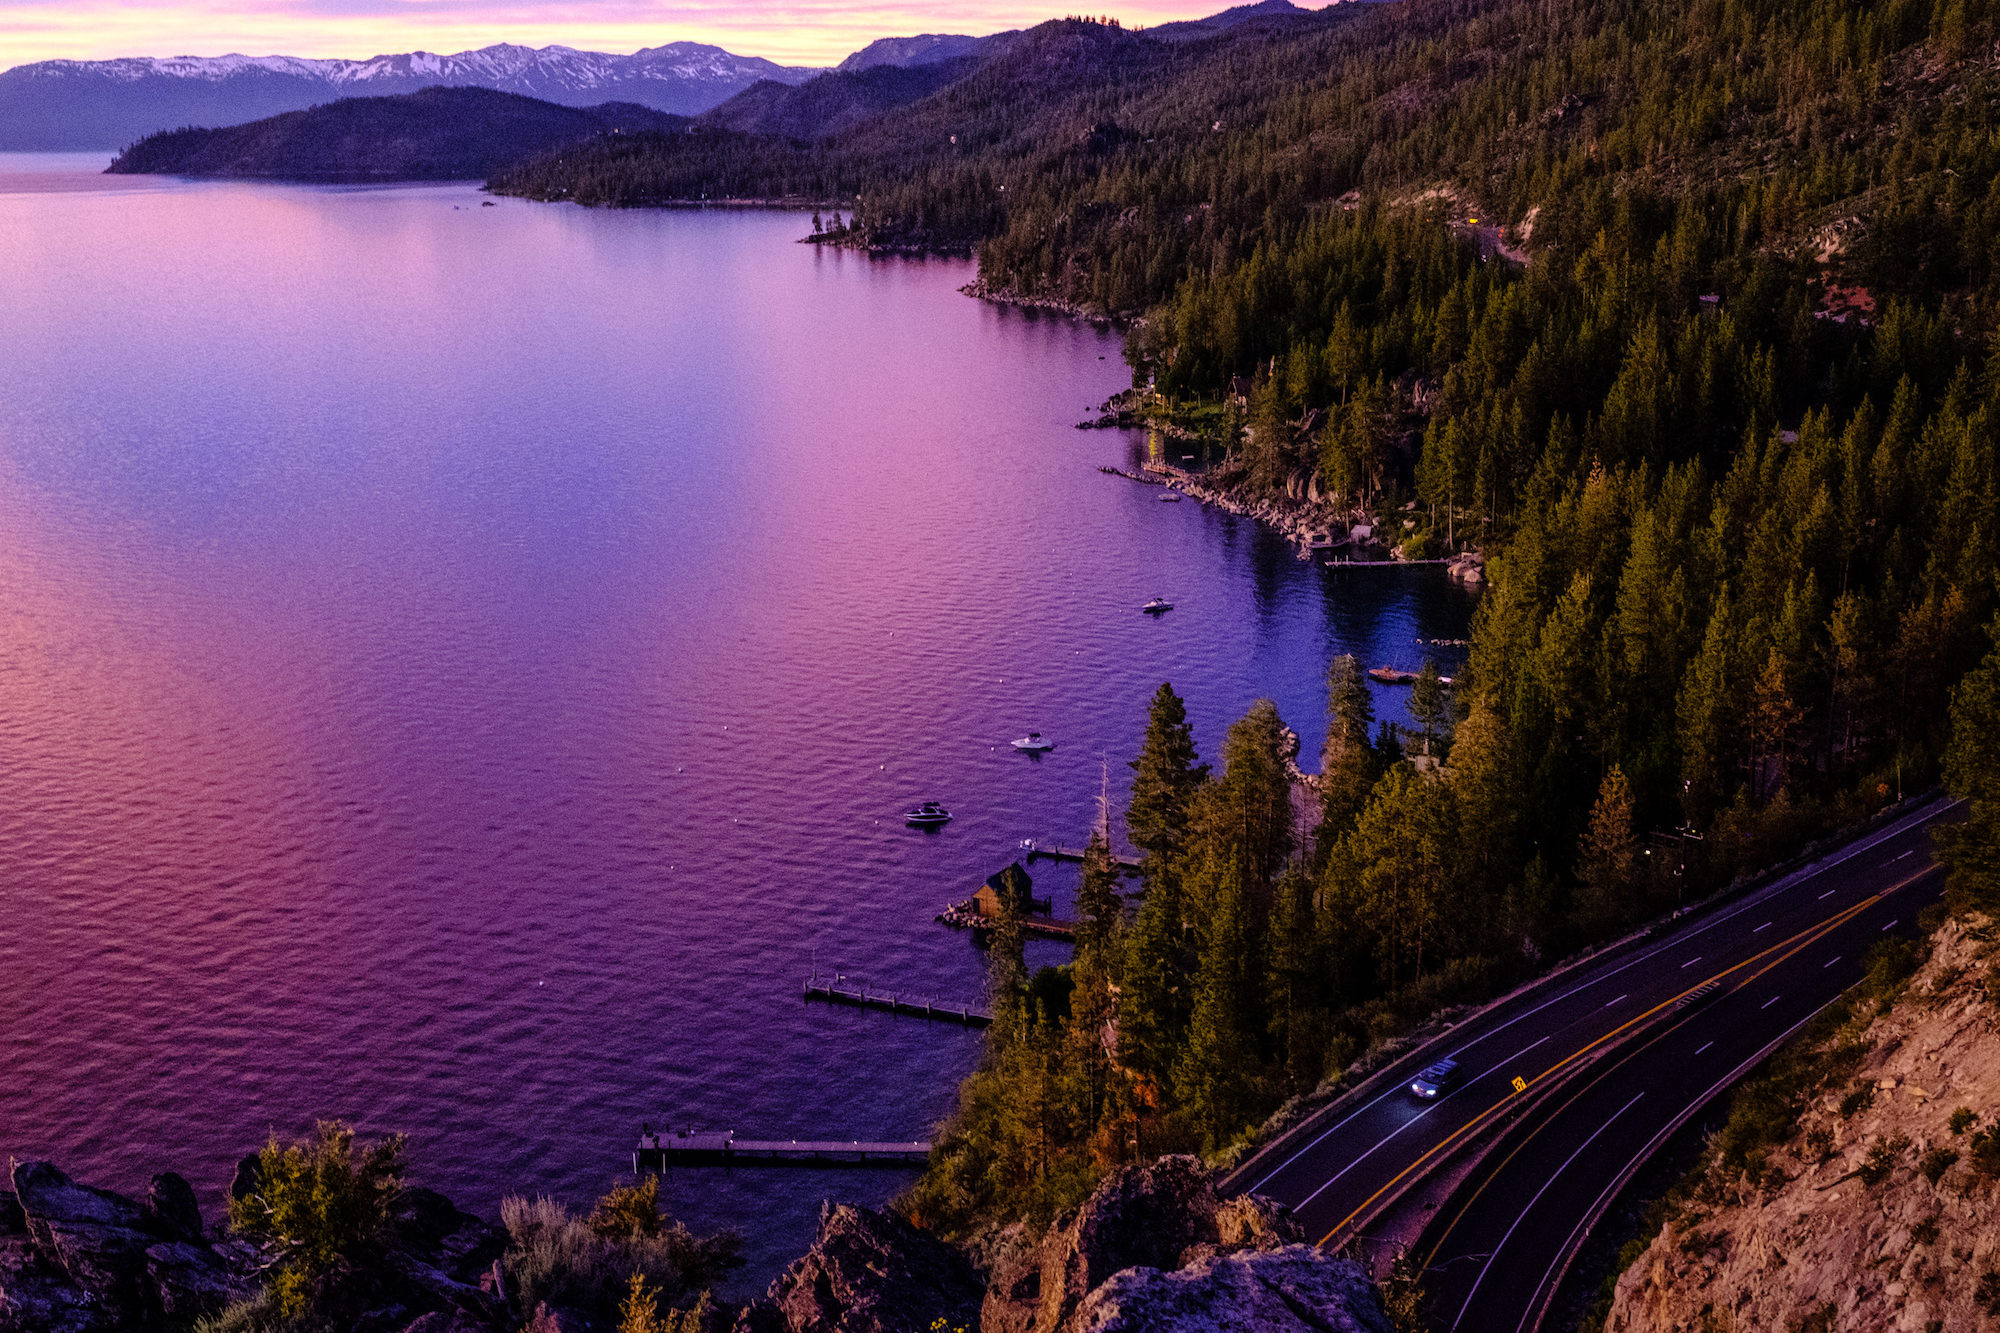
{"x": 463, "y": 668}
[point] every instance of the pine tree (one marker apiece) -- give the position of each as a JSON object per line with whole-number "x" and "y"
{"x": 1246, "y": 815}
{"x": 1165, "y": 777}
{"x": 1347, "y": 761}
{"x": 1485, "y": 776}
{"x": 1608, "y": 861}
{"x": 1100, "y": 915}
{"x": 1211, "y": 1075}
{"x": 1428, "y": 707}
{"x": 1774, "y": 723}
{"x": 1006, "y": 974}
{"x": 1298, "y": 982}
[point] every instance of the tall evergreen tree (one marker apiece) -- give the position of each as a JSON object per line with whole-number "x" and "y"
{"x": 1608, "y": 864}
{"x": 1212, "y": 1074}
{"x": 1165, "y": 777}
{"x": 1347, "y": 761}
{"x": 1428, "y": 707}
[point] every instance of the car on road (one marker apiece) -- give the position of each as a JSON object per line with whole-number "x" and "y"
{"x": 1436, "y": 1081}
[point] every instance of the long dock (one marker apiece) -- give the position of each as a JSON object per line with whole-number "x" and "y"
{"x": 722, "y": 1148}
{"x": 1059, "y": 851}
{"x": 833, "y": 993}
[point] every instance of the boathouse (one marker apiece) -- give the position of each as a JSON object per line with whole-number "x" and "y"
{"x": 1013, "y": 886}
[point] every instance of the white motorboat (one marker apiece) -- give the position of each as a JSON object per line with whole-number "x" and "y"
{"x": 1157, "y": 605}
{"x": 1034, "y": 743}
{"x": 928, "y": 815}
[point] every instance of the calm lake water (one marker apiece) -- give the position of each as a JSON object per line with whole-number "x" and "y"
{"x": 461, "y": 668}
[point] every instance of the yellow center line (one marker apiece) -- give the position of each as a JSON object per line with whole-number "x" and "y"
{"x": 1793, "y": 944}
{"x": 1547, "y": 1120}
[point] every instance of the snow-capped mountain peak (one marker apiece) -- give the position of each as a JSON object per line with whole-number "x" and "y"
{"x": 108, "y": 103}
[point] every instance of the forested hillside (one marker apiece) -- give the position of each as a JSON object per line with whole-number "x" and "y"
{"x": 1684, "y": 312}
{"x": 435, "y": 134}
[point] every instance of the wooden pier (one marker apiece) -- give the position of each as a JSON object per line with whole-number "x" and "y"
{"x": 833, "y": 993}
{"x": 694, "y": 1147}
{"x": 1059, "y": 851}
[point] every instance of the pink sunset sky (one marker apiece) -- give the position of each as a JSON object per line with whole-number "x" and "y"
{"x": 800, "y": 32}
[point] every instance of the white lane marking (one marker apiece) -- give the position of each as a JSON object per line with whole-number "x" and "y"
{"x": 1618, "y": 1000}
{"x": 1829, "y": 893}
{"x": 1704, "y": 1046}
{"x": 1363, "y": 1156}
{"x": 1765, "y": 926}
{"x": 1690, "y": 962}
{"x": 1523, "y": 1214}
{"x": 1768, "y": 1003}
{"x": 1915, "y": 819}
{"x": 1560, "y": 1269}
{"x": 1892, "y": 860}
{"x": 1887, "y": 925}
{"x": 1829, "y": 962}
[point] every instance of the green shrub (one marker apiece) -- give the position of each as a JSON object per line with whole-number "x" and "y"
{"x": 628, "y": 1211}
{"x": 1986, "y": 1152}
{"x": 1936, "y": 1162}
{"x": 1883, "y": 1155}
{"x": 1926, "y": 1231}
{"x": 1421, "y": 546}
{"x": 1962, "y": 1119}
{"x": 320, "y": 1212}
{"x": 589, "y": 1263}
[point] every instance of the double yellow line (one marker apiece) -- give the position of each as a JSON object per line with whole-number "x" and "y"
{"x": 1784, "y": 949}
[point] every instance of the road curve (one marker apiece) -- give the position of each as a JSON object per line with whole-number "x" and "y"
{"x": 1340, "y": 1168}
{"x": 1498, "y": 1255}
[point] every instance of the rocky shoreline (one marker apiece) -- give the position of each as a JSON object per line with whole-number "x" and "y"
{"x": 1154, "y": 1249}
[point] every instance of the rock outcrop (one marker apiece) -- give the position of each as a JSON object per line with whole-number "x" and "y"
{"x": 872, "y": 1272}
{"x": 1153, "y": 1248}
{"x": 79, "y": 1259}
{"x": 1294, "y": 1289}
{"x": 1159, "y": 1215}
{"x": 1878, "y": 1212}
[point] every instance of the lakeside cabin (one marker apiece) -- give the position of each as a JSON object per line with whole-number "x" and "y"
{"x": 1010, "y": 886}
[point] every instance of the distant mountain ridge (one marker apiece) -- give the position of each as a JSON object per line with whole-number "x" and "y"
{"x": 432, "y": 134}
{"x": 72, "y": 104}
{"x": 929, "y": 48}
{"x": 831, "y": 102}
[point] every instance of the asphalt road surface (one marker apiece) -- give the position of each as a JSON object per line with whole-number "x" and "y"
{"x": 1777, "y": 955}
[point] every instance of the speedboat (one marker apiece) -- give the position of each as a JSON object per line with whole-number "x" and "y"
{"x": 1157, "y": 605}
{"x": 1034, "y": 743}
{"x": 1171, "y": 498}
{"x": 928, "y": 815}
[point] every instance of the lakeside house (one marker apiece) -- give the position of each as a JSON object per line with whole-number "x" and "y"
{"x": 1010, "y": 886}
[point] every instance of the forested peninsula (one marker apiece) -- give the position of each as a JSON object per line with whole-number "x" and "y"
{"x": 1683, "y": 313}
{"x": 434, "y": 134}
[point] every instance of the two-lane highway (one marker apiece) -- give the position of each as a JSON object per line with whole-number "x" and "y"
{"x": 1341, "y": 1167}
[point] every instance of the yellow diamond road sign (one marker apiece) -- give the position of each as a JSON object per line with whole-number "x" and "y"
{"x": 1520, "y": 1084}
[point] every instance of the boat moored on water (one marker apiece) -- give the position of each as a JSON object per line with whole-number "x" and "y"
{"x": 928, "y": 815}
{"x": 1034, "y": 743}
{"x": 1171, "y": 498}
{"x": 1157, "y": 606}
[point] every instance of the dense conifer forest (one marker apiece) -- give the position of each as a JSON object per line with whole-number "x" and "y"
{"x": 1684, "y": 313}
